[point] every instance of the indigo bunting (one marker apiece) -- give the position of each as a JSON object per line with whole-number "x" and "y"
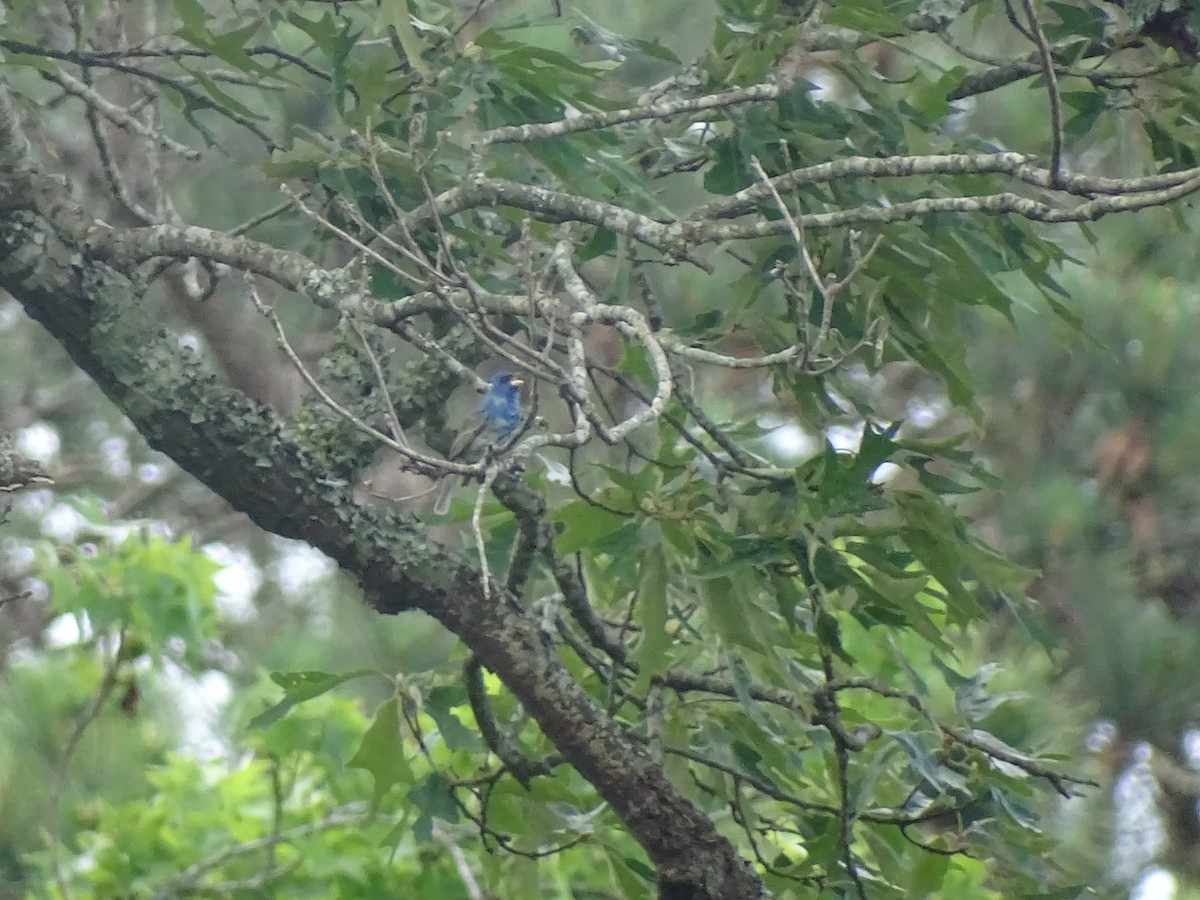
{"x": 497, "y": 418}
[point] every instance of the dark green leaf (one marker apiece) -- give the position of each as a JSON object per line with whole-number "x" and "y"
{"x": 382, "y": 751}
{"x": 301, "y": 686}
{"x": 651, "y": 614}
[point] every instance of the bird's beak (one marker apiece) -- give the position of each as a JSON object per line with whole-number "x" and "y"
{"x": 516, "y": 382}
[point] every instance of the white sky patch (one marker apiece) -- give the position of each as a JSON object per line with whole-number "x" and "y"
{"x": 69, "y": 630}
{"x": 152, "y": 473}
{"x": 556, "y": 472}
{"x": 18, "y": 555}
{"x": 63, "y": 523}
{"x": 956, "y": 122}
{"x": 34, "y": 503}
{"x": 794, "y": 441}
{"x": 36, "y": 589}
{"x": 1140, "y": 833}
{"x": 1191, "y": 747}
{"x": 826, "y": 85}
{"x": 39, "y": 442}
{"x": 884, "y": 472}
{"x": 116, "y": 456}
{"x": 237, "y": 582}
{"x": 845, "y": 437}
{"x": 1156, "y": 884}
{"x": 201, "y": 701}
{"x": 926, "y": 414}
{"x": 119, "y": 532}
{"x": 787, "y": 438}
{"x": 10, "y": 314}
{"x": 1101, "y": 736}
{"x": 299, "y": 566}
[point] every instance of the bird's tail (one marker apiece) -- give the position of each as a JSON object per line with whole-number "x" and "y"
{"x": 445, "y": 490}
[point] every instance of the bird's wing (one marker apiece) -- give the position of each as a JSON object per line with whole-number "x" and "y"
{"x": 464, "y": 440}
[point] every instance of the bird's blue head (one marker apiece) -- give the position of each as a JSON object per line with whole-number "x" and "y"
{"x": 501, "y": 406}
{"x": 505, "y": 384}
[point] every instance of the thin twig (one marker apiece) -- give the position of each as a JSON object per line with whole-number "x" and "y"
{"x": 381, "y": 381}
{"x": 108, "y": 682}
{"x": 460, "y": 862}
{"x": 1056, "y": 129}
{"x": 118, "y": 116}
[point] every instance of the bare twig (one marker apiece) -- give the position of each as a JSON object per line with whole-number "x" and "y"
{"x": 1047, "y": 59}
{"x": 104, "y": 690}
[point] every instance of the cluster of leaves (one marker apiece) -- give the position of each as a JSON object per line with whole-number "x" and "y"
{"x": 784, "y": 604}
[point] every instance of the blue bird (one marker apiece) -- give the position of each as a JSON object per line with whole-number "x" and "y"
{"x": 498, "y": 416}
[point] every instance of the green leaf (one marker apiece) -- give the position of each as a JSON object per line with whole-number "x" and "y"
{"x": 433, "y": 798}
{"x": 192, "y": 13}
{"x": 440, "y": 703}
{"x": 927, "y": 875}
{"x": 1089, "y": 106}
{"x": 730, "y": 171}
{"x": 1076, "y": 21}
{"x": 301, "y": 686}
{"x": 1074, "y": 892}
{"x": 382, "y": 751}
{"x": 931, "y": 96}
{"x": 651, "y": 616}
{"x": 749, "y": 759}
{"x": 939, "y": 484}
{"x": 866, "y": 16}
{"x": 829, "y": 633}
{"x": 633, "y": 877}
{"x": 787, "y": 596}
{"x": 741, "y": 689}
{"x": 921, "y": 758}
{"x": 395, "y": 14}
{"x": 221, "y": 97}
{"x": 727, "y": 611}
{"x": 585, "y": 525}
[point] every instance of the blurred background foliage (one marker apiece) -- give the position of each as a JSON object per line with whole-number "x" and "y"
{"x": 1090, "y": 426}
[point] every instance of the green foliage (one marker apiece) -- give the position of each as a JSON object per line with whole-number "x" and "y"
{"x": 803, "y": 642}
{"x": 283, "y": 817}
{"x": 155, "y": 593}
